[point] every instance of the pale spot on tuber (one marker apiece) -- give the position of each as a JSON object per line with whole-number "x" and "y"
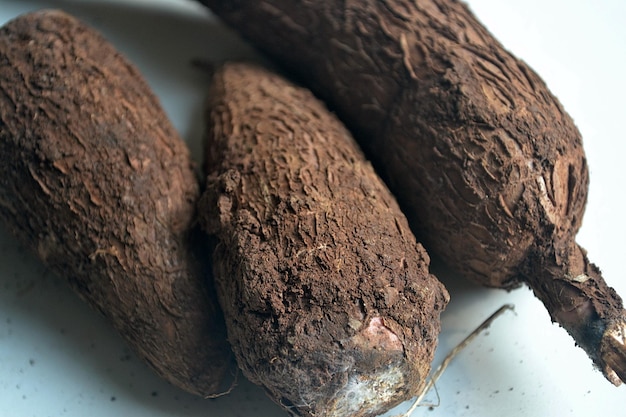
{"x": 376, "y": 334}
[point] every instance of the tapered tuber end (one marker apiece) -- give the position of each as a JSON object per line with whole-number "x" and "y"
{"x": 578, "y": 298}
{"x": 613, "y": 352}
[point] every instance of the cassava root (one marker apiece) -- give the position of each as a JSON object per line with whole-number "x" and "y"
{"x": 95, "y": 180}
{"x": 328, "y": 300}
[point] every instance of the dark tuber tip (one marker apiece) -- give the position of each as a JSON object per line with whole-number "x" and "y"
{"x": 577, "y": 297}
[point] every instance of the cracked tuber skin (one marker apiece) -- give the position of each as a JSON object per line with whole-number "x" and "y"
{"x": 95, "y": 180}
{"x": 327, "y": 296}
{"x": 483, "y": 159}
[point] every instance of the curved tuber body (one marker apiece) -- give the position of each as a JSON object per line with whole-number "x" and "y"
{"x": 482, "y": 157}
{"x": 327, "y": 296}
{"x": 94, "y": 179}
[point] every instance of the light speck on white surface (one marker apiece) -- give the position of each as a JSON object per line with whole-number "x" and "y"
{"x": 60, "y": 358}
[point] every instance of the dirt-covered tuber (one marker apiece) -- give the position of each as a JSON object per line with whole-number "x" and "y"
{"x": 327, "y": 296}
{"x": 95, "y": 180}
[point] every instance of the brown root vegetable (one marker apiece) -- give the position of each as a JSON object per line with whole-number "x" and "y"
{"x": 483, "y": 159}
{"x": 327, "y": 296}
{"x": 96, "y": 181}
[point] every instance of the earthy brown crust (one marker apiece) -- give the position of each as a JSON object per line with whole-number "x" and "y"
{"x": 321, "y": 280}
{"x": 96, "y": 181}
{"x": 483, "y": 159}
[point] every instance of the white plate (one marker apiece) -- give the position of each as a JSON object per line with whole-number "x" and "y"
{"x": 60, "y": 358}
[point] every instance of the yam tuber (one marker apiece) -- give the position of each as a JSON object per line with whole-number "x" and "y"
{"x": 95, "y": 180}
{"x": 327, "y": 296}
{"x": 484, "y": 160}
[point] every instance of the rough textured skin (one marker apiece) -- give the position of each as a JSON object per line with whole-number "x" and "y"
{"x": 482, "y": 157}
{"x": 327, "y": 296}
{"x": 96, "y": 181}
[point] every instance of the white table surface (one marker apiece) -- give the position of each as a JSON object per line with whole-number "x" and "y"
{"x": 60, "y": 358}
